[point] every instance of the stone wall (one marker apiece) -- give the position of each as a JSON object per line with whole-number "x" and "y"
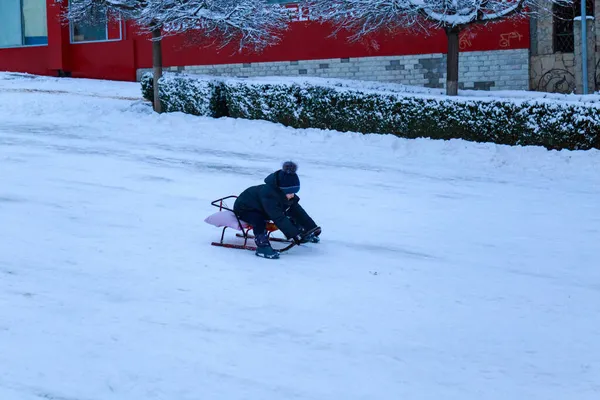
{"x": 549, "y": 71}
{"x": 597, "y": 31}
{"x": 553, "y": 73}
{"x": 559, "y": 72}
{"x": 490, "y": 70}
{"x": 542, "y": 34}
{"x": 591, "y": 55}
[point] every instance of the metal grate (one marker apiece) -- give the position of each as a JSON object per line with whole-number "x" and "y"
{"x": 564, "y": 39}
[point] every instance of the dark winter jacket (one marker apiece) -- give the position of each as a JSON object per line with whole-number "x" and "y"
{"x": 272, "y": 203}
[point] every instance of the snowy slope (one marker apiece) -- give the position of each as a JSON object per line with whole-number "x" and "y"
{"x": 448, "y": 270}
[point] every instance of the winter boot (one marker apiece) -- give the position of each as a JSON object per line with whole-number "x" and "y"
{"x": 264, "y": 249}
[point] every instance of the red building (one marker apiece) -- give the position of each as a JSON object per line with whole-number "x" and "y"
{"x": 33, "y": 39}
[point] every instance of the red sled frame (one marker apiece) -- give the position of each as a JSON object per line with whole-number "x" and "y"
{"x": 219, "y": 203}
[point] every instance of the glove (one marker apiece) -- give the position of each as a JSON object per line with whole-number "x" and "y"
{"x": 312, "y": 238}
{"x": 297, "y": 239}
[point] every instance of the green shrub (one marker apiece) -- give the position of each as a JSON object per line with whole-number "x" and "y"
{"x": 186, "y": 94}
{"x": 555, "y": 125}
{"x": 147, "y": 86}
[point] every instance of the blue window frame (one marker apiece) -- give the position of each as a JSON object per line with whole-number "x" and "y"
{"x": 23, "y": 23}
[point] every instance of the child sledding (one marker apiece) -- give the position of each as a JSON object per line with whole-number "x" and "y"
{"x": 266, "y": 208}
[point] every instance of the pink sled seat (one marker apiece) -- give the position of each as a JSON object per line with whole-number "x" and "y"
{"x": 225, "y": 218}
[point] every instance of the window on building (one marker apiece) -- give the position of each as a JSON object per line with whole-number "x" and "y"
{"x": 23, "y": 23}
{"x": 93, "y": 31}
{"x": 564, "y": 38}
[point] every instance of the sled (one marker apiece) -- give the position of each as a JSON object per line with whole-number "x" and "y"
{"x": 226, "y": 218}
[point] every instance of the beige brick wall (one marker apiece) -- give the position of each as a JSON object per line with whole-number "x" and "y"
{"x": 480, "y": 70}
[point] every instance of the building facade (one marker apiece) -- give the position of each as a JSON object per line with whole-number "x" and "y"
{"x": 556, "y": 48}
{"x": 33, "y": 39}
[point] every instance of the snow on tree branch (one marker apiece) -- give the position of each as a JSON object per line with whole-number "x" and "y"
{"x": 366, "y": 16}
{"x": 253, "y": 23}
{"x": 250, "y": 22}
{"x": 96, "y": 11}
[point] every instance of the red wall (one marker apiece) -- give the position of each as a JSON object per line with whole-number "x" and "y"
{"x": 108, "y": 60}
{"x": 33, "y": 60}
{"x": 304, "y": 40}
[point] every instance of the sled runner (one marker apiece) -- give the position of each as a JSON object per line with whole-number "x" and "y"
{"x": 226, "y": 218}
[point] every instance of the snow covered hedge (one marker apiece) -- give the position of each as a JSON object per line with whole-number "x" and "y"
{"x": 186, "y": 94}
{"x": 555, "y": 125}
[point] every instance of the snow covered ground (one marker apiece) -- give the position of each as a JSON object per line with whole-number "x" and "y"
{"x": 447, "y": 270}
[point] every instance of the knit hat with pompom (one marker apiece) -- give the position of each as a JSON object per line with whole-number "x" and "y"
{"x": 287, "y": 179}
